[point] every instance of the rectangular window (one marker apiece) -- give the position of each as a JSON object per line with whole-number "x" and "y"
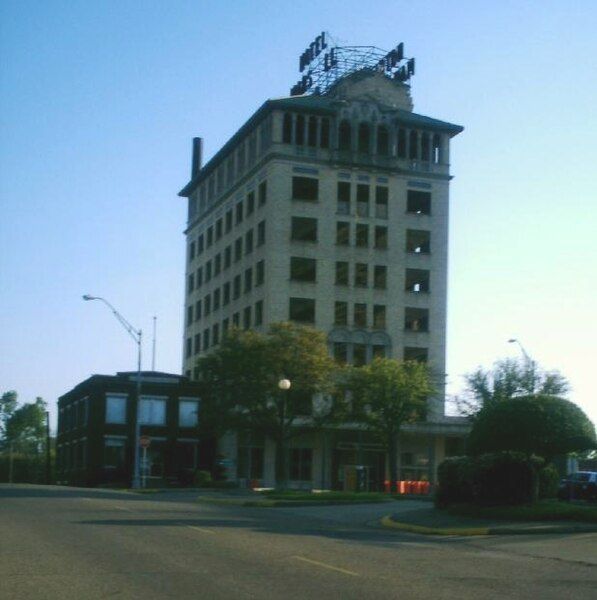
{"x": 238, "y": 249}
{"x": 362, "y": 236}
{"x": 190, "y": 283}
{"x": 360, "y": 315}
{"x": 236, "y": 319}
{"x": 379, "y": 351}
{"x": 362, "y": 200}
{"x": 380, "y": 273}
{"x": 217, "y": 264}
{"x": 302, "y": 310}
{"x": 227, "y": 257}
{"x": 418, "y": 203}
{"x": 200, "y": 244}
{"x": 205, "y": 339}
{"x": 418, "y": 354}
{"x": 249, "y": 242}
{"x": 219, "y": 229}
{"x": 188, "y": 413}
{"x": 261, "y": 233}
{"x": 341, "y": 313}
{"x": 262, "y": 193}
{"x": 381, "y": 202}
{"x": 210, "y": 236}
{"x": 116, "y": 409}
{"x": 250, "y": 203}
{"x": 247, "y": 317}
{"x": 239, "y": 213}
{"x": 152, "y": 411}
{"x": 114, "y": 453}
{"x": 341, "y": 352}
{"x": 199, "y": 277}
{"x": 198, "y": 306}
{"x": 379, "y": 316}
{"x": 381, "y": 237}
{"x": 208, "y": 271}
{"x": 197, "y": 343}
{"x": 236, "y": 287}
{"x": 300, "y": 461}
{"x": 259, "y": 273}
{"x": 189, "y": 347}
{"x": 303, "y": 229}
{"x": 341, "y": 273}
{"x": 228, "y": 221}
{"x": 207, "y": 304}
{"x": 418, "y": 241}
{"x": 192, "y": 251}
{"x": 226, "y": 294}
{"x": 248, "y": 280}
{"x": 215, "y": 334}
{"x": 189, "y": 314}
{"x": 225, "y": 326}
{"x": 361, "y": 274}
{"x": 359, "y": 355}
{"x": 303, "y": 269}
{"x": 342, "y": 233}
{"x": 416, "y": 319}
{"x": 258, "y": 313}
{"x": 217, "y": 299}
{"x": 343, "y": 200}
{"x": 305, "y": 188}
{"x": 417, "y": 280}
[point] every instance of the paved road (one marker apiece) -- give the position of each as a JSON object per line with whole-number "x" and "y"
{"x": 71, "y": 543}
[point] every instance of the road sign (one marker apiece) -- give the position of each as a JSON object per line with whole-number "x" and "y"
{"x": 144, "y": 441}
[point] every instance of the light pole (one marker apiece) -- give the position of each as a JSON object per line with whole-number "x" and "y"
{"x": 137, "y": 335}
{"x": 524, "y": 352}
{"x": 530, "y": 364}
{"x": 283, "y": 386}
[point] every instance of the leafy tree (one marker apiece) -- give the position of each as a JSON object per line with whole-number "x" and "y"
{"x": 387, "y": 394}
{"x": 509, "y": 378}
{"x": 240, "y": 381}
{"x": 8, "y": 404}
{"x": 27, "y": 426}
{"x": 546, "y": 426}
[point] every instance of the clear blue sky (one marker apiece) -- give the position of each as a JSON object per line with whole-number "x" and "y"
{"x": 100, "y": 100}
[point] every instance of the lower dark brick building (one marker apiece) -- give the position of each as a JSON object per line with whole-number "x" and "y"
{"x": 96, "y": 427}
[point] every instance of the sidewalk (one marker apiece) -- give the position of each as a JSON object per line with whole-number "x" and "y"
{"x": 431, "y": 521}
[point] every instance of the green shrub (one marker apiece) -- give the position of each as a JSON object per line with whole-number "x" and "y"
{"x": 202, "y": 478}
{"x": 455, "y": 476}
{"x": 549, "y": 479}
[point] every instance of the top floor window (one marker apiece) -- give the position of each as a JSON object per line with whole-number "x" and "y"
{"x": 152, "y": 411}
{"x": 324, "y": 133}
{"x": 188, "y": 411}
{"x": 116, "y": 409}
{"x": 344, "y": 136}
{"x": 383, "y": 140}
{"x": 312, "y": 132}
{"x": 287, "y": 129}
{"x": 418, "y": 202}
{"x": 364, "y": 138}
{"x": 299, "y": 132}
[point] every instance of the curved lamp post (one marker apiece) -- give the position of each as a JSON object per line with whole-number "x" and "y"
{"x": 137, "y": 335}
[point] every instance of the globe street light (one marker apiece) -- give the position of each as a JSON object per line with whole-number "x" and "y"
{"x": 284, "y": 384}
{"x": 137, "y": 335}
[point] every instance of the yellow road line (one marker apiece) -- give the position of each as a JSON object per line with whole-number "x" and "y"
{"x": 201, "y": 529}
{"x": 326, "y": 566}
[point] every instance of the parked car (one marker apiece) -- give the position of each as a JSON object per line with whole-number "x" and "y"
{"x": 581, "y": 485}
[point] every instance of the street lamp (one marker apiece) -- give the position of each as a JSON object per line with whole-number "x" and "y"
{"x": 137, "y": 335}
{"x": 284, "y": 384}
{"x": 524, "y": 352}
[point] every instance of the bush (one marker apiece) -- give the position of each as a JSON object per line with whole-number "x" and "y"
{"x": 549, "y": 479}
{"x": 202, "y": 478}
{"x": 455, "y": 476}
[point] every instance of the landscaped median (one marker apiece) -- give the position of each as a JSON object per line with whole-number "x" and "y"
{"x": 548, "y": 516}
{"x": 274, "y": 498}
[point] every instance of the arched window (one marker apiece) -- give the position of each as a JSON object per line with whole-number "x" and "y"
{"x": 287, "y": 129}
{"x": 382, "y": 140}
{"x": 425, "y": 148}
{"x": 312, "y": 132}
{"x": 324, "y": 133}
{"x": 364, "y": 138}
{"x": 299, "y": 132}
{"x": 344, "y": 136}
{"x": 414, "y": 146}
{"x": 401, "y": 143}
{"x": 437, "y": 154}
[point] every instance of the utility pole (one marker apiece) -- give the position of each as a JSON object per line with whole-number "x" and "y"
{"x": 48, "y": 457}
{"x": 10, "y": 461}
{"x": 153, "y": 345}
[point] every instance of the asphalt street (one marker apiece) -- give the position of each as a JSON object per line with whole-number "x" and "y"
{"x": 71, "y": 543}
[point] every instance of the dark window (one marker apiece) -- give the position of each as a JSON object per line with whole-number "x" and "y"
{"x": 199, "y": 277}
{"x": 305, "y": 188}
{"x": 413, "y": 145}
{"x": 250, "y": 203}
{"x": 219, "y": 224}
{"x": 303, "y": 229}
{"x": 302, "y": 310}
{"x": 362, "y": 200}
{"x": 192, "y": 251}
{"x": 215, "y": 334}
{"x": 360, "y": 274}
{"x": 189, "y": 314}
{"x": 303, "y": 269}
{"x": 401, "y": 143}
{"x": 382, "y": 140}
{"x": 189, "y": 351}
{"x": 341, "y": 352}
{"x": 379, "y": 351}
{"x": 379, "y": 316}
{"x": 343, "y": 205}
{"x": 236, "y": 319}
{"x": 381, "y": 237}
{"x": 228, "y": 221}
{"x": 207, "y": 304}
{"x": 225, "y": 325}
{"x": 248, "y": 280}
{"x": 436, "y": 149}
{"x": 205, "y": 339}
{"x": 418, "y": 241}
{"x": 258, "y": 313}
{"x": 324, "y": 139}
{"x": 217, "y": 264}
{"x": 287, "y": 129}
{"x": 198, "y": 307}
{"x": 344, "y": 136}
{"x": 217, "y": 299}
{"x": 418, "y": 202}
{"x": 381, "y": 202}
{"x": 342, "y": 233}
{"x": 418, "y": 354}
{"x": 200, "y": 244}
{"x": 417, "y": 280}
{"x": 208, "y": 271}
{"x": 362, "y": 239}
{"x": 236, "y": 287}
{"x": 341, "y": 273}
{"x": 299, "y": 130}
{"x": 312, "y": 132}
{"x": 360, "y": 315}
{"x": 249, "y": 242}
{"x": 210, "y": 236}
{"x": 238, "y": 249}
{"x": 197, "y": 343}
{"x": 364, "y": 138}
{"x": 239, "y": 212}
{"x": 416, "y": 319}
{"x": 259, "y": 273}
{"x": 261, "y": 233}
{"x": 359, "y": 354}
{"x": 300, "y": 460}
{"x": 425, "y": 146}
{"x": 380, "y": 277}
{"x": 247, "y": 317}
{"x": 227, "y": 257}
{"x": 226, "y": 299}
{"x": 262, "y": 193}
{"x": 191, "y": 283}
{"x": 341, "y": 313}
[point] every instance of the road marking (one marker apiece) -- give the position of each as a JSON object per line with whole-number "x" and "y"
{"x": 201, "y": 529}
{"x": 326, "y": 566}
{"x": 104, "y": 502}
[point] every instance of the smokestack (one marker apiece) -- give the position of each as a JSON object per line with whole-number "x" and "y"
{"x": 197, "y": 156}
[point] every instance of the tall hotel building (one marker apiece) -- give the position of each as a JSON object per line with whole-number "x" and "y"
{"x": 328, "y": 209}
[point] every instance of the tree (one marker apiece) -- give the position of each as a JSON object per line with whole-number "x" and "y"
{"x": 509, "y": 378}
{"x": 240, "y": 380}
{"x": 8, "y": 405}
{"x": 27, "y": 426}
{"x": 387, "y": 394}
{"x": 546, "y": 426}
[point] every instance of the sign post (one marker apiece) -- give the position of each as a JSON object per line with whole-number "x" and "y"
{"x": 144, "y": 442}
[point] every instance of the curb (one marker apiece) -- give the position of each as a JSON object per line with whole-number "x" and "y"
{"x": 390, "y": 523}
{"x": 280, "y": 503}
